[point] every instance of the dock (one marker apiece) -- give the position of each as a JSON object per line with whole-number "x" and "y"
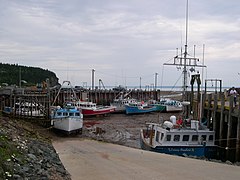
{"x": 218, "y": 110}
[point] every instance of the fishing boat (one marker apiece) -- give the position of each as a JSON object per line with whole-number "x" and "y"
{"x": 7, "y": 110}
{"x": 29, "y": 109}
{"x": 167, "y": 105}
{"x": 67, "y": 119}
{"x": 121, "y": 100}
{"x": 187, "y": 137}
{"x": 92, "y": 109}
{"x": 175, "y": 138}
{"x": 139, "y": 108}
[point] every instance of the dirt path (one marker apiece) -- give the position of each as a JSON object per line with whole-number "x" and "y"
{"x": 94, "y": 160}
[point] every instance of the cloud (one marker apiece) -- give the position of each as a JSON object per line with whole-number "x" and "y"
{"x": 122, "y": 40}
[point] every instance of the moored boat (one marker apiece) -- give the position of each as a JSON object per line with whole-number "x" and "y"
{"x": 120, "y": 104}
{"x": 172, "y": 137}
{"x": 92, "y": 109}
{"x": 29, "y": 109}
{"x": 67, "y": 119}
{"x": 139, "y": 108}
{"x": 167, "y": 105}
{"x": 121, "y": 100}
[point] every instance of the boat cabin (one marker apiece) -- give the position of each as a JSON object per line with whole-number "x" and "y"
{"x": 67, "y": 113}
{"x": 178, "y": 136}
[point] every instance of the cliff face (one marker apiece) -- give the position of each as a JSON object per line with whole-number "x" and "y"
{"x": 11, "y": 74}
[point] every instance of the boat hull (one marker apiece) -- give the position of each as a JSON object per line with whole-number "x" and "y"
{"x": 192, "y": 151}
{"x": 167, "y": 108}
{"x": 98, "y": 111}
{"x": 137, "y": 110}
{"x": 68, "y": 124}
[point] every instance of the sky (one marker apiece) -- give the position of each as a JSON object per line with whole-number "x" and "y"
{"x": 126, "y": 42}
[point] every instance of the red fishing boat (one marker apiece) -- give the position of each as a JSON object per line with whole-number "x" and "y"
{"x": 92, "y": 109}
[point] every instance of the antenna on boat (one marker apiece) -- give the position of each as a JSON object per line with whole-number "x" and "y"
{"x": 185, "y": 61}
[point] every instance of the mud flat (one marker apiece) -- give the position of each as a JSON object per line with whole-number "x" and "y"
{"x": 120, "y": 128}
{"x": 94, "y": 160}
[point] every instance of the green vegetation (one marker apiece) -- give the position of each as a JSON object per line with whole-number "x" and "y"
{"x": 9, "y": 153}
{"x": 10, "y": 74}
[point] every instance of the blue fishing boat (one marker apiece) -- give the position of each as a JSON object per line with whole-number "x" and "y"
{"x": 139, "y": 108}
{"x": 172, "y": 137}
{"x": 68, "y": 119}
{"x": 167, "y": 105}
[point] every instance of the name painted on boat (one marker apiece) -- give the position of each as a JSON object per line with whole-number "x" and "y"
{"x": 181, "y": 149}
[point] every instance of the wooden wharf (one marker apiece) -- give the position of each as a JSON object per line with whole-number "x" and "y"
{"x": 218, "y": 110}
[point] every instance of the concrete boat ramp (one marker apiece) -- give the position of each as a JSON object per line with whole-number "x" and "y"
{"x": 95, "y": 160}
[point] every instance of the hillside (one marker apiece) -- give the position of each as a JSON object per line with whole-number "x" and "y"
{"x": 11, "y": 74}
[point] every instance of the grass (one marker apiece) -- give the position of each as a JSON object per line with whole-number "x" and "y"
{"x": 8, "y": 154}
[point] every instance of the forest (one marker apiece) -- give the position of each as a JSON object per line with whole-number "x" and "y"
{"x": 13, "y": 74}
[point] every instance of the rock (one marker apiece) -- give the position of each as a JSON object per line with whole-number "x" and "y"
{"x": 16, "y": 176}
{"x": 32, "y": 156}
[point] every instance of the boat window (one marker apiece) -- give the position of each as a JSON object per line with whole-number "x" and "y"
{"x": 157, "y": 136}
{"x": 168, "y": 137}
{"x": 185, "y": 138}
{"x": 195, "y": 138}
{"x": 59, "y": 113}
{"x": 176, "y": 138}
{"x": 77, "y": 114}
{"x": 70, "y": 114}
{"x": 210, "y": 138}
{"x": 64, "y": 114}
{"x": 162, "y": 135}
{"x": 204, "y": 137}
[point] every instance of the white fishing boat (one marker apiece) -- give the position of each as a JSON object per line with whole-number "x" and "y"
{"x": 68, "y": 119}
{"x": 31, "y": 109}
{"x": 187, "y": 137}
{"x": 121, "y": 100}
{"x": 175, "y": 138}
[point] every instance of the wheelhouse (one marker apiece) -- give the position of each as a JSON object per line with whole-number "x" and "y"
{"x": 179, "y": 137}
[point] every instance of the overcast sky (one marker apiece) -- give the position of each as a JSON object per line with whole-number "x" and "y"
{"x": 122, "y": 40}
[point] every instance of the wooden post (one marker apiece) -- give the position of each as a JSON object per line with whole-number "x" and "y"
{"x": 237, "y": 159}
{"x": 214, "y": 112}
{"x": 229, "y": 132}
{"x": 222, "y": 116}
{"x": 208, "y": 109}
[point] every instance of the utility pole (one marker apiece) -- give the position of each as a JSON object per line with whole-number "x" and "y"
{"x": 140, "y": 83}
{"x": 156, "y": 74}
{"x": 155, "y": 88}
{"x": 20, "y": 78}
{"x": 93, "y": 71}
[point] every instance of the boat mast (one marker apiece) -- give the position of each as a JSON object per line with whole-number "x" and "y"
{"x": 185, "y": 59}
